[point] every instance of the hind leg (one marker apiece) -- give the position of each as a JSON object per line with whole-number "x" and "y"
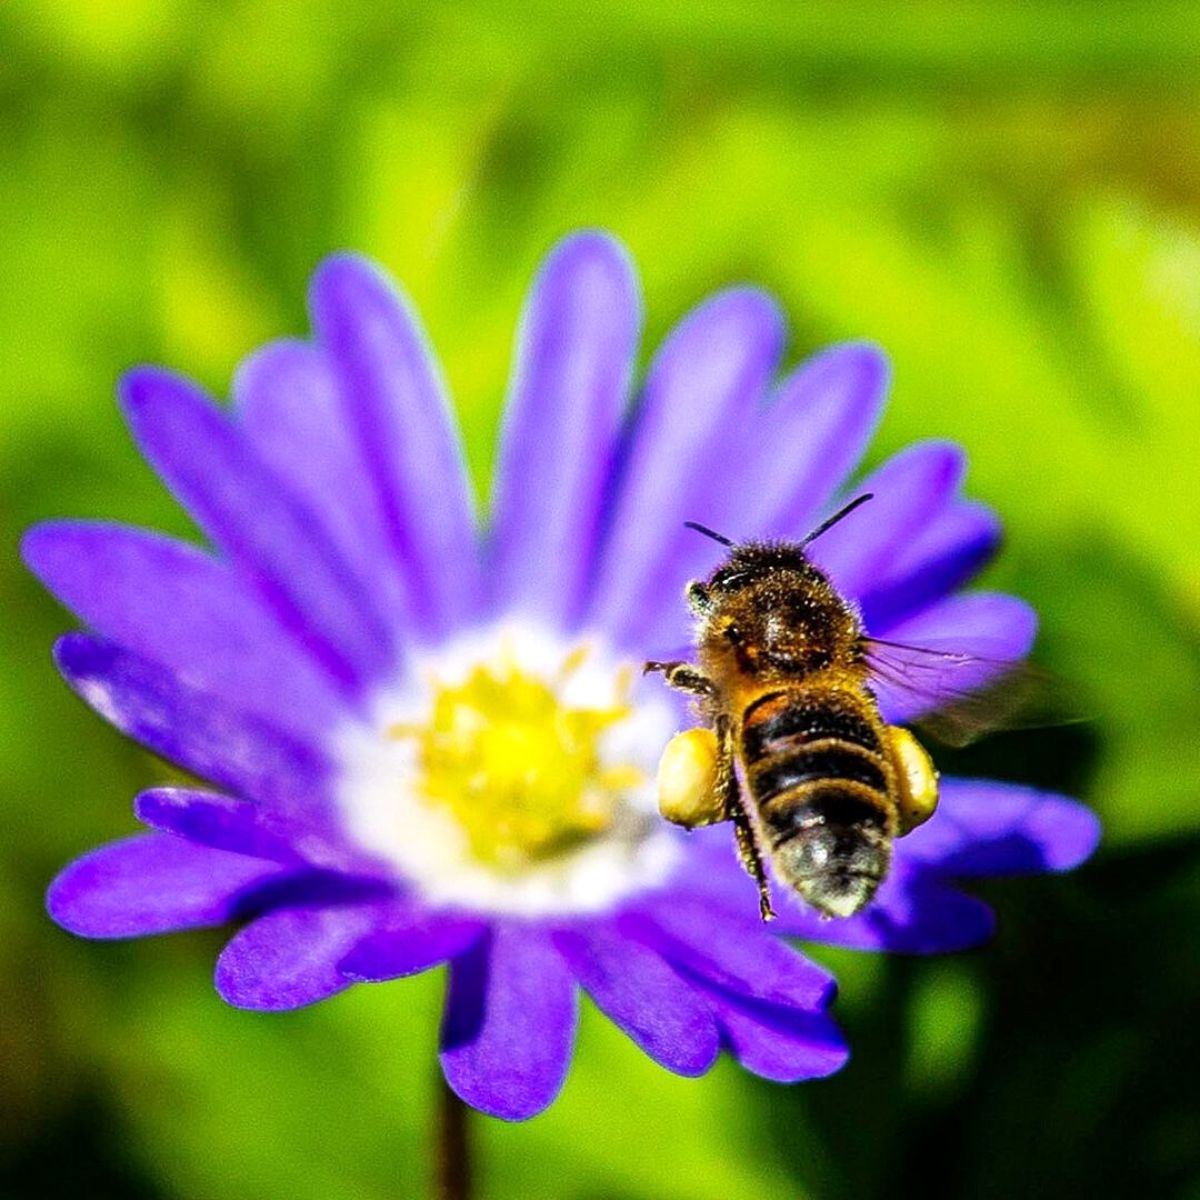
{"x": 735, "y": 810}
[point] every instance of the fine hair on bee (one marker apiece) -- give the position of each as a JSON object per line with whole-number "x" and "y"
{"x": 793, "y": 750}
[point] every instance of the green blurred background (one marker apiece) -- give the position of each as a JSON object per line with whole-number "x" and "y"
{"x": 1006, "y": 196}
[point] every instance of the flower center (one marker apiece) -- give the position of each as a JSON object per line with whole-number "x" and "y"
{"x": 509, "y": 772}
{"x": 519, "y": 769}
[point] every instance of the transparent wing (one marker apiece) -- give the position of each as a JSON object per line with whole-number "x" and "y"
{"x": 958, "y": 696}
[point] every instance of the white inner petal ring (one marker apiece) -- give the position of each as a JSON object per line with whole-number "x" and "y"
{"x": 384, "y": 795}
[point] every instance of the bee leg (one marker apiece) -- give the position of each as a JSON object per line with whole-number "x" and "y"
{"x": 752, "y": 861}
{"x": 735, "y": 811}
{"x": 682, "y": 676}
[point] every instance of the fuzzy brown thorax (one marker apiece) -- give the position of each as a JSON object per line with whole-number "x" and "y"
{"x": 769, "y": 616}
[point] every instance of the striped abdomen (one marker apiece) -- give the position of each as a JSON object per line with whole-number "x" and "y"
{"x": 822, "y": 784}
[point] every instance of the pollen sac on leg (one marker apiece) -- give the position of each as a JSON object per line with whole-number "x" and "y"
{"x": 687, "y": 779}
{"x": 917, "y": 779}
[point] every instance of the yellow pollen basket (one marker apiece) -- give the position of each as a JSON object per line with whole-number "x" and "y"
{"x": 520, "y": 772}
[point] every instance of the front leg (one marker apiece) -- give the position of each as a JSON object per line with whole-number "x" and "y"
{"x": 683, "y": 677}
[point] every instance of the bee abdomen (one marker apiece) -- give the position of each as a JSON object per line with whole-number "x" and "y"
{"x": 815, "y": 757}
{"x": 835, "y": 803}
{"x": 835, "y": 761}
{"x": 780, "y": 722}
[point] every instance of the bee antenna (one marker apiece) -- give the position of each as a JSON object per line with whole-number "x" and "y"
{"x": 709, "y": 533}
{"x": 844, "y": 511}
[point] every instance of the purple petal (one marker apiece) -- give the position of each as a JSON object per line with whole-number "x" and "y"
{"x": 913, "y": 912}
{"x": 987, "y": 828}
{"x": 245, "y": 509}
{"x": 243, "y": 827}
{"x": 412, "y": 939}
{"x": 177, "y": 606}
{"x": 781, "y": 1044}
{"x": 189, "y": 728}
{"x": 316, "y": 887}
{"x": 153, "y": 883}
{"x": 220, "y": 822}
{"x": 289, "y": 958}
{"x": 399, "y": 419}
{"x": 662, "y": 1012}
{"x": 982, "y": 635}
{"x": 734, "y": 952}
{"x": 806, "y": 441}
{"x": 777, "y": 470}
{"x": 947, "y": 553}
{"x": 909, "y": 490}
{"x": 575, "y": 354}
{"x": 703, "y": 385}
{"x": 510, "y": 1023}
{"x": 289, "y": 402}
{"x": 713, "y": 873}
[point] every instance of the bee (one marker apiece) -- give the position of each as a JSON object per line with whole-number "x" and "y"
{"x": 795, "y": 752}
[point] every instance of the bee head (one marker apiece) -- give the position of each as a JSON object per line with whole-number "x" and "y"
{"x": 768, "y": 609}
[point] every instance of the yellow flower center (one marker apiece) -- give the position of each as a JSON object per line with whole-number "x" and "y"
{"x": 519, "y": 769}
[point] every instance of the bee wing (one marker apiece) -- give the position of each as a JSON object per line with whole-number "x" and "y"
{"x": 957, "y": 696}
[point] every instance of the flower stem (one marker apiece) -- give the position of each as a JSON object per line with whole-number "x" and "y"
{"x": 452, "y": 1180}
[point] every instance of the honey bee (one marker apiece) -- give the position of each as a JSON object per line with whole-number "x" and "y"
{"x": 795, "y": 752}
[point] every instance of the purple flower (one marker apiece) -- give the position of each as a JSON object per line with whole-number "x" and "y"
{"x": 430, "y": 746}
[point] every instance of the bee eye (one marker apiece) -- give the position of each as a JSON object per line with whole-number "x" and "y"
{"x": 698, "y": 599}
{"x": 733, "y": 634}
